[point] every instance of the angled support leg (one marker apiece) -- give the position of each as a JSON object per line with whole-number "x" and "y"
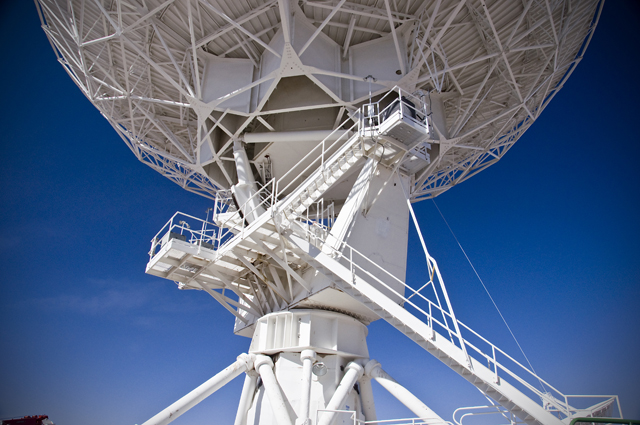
{"x": 353, "y": 372}
{"x": 264, "y": 366}
{"x": 244, "y": 363}
{"x": 413, "y": 403}
{"x": 248, "y": 389}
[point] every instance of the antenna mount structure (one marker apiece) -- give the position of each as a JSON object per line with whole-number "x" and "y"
{"x": 307, "y": 125}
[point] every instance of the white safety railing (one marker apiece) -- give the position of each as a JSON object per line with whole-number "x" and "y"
{"x": 214, "y": 235}
{"x": 321, "y": 158}
{"x": 187, "y": 228}
{"x": 319, "y": 219}
{"x": 466, "y": 415}
{"x": 316, "y": 222}
{"x": 462, "y": 415}
{"x": 362, "y": 266}
{"x": 578, "y": 406}
{"x": 234, "y": 222}
{"x": 438, "y": 319}
{"x": 395, "y": 103}
{"x": 353, "y": 416}
{"x": 323, "y": 155}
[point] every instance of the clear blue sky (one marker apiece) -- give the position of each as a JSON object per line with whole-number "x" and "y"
{"x": 87, "y": 337}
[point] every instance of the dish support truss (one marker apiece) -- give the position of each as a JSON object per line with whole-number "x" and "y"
{"x": 292, "y": 232}
{"x": 494, "y": 65}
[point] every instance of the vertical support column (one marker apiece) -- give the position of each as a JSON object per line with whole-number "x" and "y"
{"x": 264, "y": 366}
{"x": 413, "y": 403}
{"x": 246, "y": 188}
{"x": 307, "y": 357}
{"x": 248, "y": 390}
{"x": 351, "y": 208}
{"x": 353, "y": 372}
{"x": 366, "y": 395}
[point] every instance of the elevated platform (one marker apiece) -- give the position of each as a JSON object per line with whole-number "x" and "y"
{"x": 287, "y": 258}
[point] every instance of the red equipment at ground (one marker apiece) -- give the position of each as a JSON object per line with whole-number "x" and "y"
{"x": 27, "y": 420}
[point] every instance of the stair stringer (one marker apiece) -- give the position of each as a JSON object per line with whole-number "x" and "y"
{"x": 439, "y": 346}
{"x": 322, "y": 179}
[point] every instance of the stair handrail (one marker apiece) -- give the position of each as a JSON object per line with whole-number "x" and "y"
{"x": 347, "y": 254}
{"x": 491, "y": 409}
{"x": 274, "y": 193}
{"x": 323, "y": 150}
{"x": 340, "y": 252}
{"x": 266, "y": 202}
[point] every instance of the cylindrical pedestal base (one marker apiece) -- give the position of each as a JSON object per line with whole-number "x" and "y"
{"x": 311, "y": 351}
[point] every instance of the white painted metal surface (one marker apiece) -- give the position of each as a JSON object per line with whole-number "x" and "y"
{"x": 424, "y": 315}
{"x": 243, "y": 364}
{"x": 353, "y": 372}
{"x": 277, "y": 403}
{"x": 374, "y": 371}
{"x": 180, "y": 80}
{"x": 314, "y": 125}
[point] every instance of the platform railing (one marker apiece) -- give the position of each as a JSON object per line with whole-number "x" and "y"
{"x": 210, "y": 235}
{"x": 408, "y": 107}
{"x": 353, "y": 416}
{"x": 462, "y": 413}
{"x": 236, "y": 223}
{"x": 322, "y": 156}
{"x": 187, "y": 228}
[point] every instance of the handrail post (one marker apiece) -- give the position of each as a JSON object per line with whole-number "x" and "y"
{"x": 202, "y": 231}
{"x": 215, "y": 208}
{"x": 495, "y": 365}
{"x": 353, "y": 275}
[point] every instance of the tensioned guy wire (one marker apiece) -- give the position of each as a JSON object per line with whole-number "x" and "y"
{"x": 487, "y": 291}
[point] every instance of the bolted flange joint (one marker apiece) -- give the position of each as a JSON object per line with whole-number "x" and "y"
{"x": 308, "y": 354}
{"x": 372, "y": 368}
{"x": 261, "y": 360}
{"x": 247, "y": 359}
{"x": 357, "y": 367}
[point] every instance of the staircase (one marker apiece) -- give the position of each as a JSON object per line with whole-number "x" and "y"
{"x": 321, "y": 180}
{"x": 241, "y": 261}
{"x": 424, "y": 335}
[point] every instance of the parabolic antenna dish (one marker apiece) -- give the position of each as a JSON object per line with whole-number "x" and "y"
{"x": 314, "y": 124}
{"x": 180, "y": 80}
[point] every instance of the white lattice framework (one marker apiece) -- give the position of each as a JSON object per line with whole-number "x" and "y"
{"x": 495, "y": 64}
{"x": 314, "y": 93}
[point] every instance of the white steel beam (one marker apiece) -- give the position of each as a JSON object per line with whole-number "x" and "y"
{"x": 244, "y": 363}
{"x": 374, "y": 371}
{"x": 264, "y": 365}
{"x": 322, "y": 25}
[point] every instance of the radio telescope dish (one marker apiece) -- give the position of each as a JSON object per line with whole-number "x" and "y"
{"x": 180, "y": 80}
{"x": 314, "y": 125}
